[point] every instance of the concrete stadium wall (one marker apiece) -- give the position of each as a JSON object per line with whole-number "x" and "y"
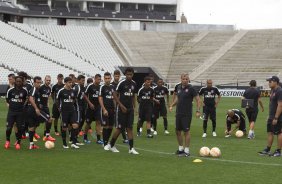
{"x": 80, "y": 22}
{"x": 39, "y": 21}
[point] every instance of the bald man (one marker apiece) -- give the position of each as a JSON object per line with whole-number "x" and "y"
{"x": 235, "y": 116}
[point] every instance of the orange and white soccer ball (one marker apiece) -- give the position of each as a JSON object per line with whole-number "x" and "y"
{"x": 239, "y": 133}
{"x": 49, "y": 144}
{"x": 204, "y": 151}
{"x": 215, "y": 152}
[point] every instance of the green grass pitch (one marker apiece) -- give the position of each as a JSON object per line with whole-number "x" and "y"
{"x": 239, "y": 162}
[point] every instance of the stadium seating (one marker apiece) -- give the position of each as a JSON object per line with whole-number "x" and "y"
{"x": 4, "y": 75}
{"x": 36, "y": 46}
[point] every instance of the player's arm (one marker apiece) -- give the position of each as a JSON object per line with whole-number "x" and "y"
{"x": 32, "y": 102}
{"x": 88, "y": 101}
{"x": 260, "y": 104}
{"x": 198, "y": 104}
{"x": 8, "y": 98}
{"x": 218, "y": 97}
{"x": 174, "y": 102}
{"x": 278, "y": 112}
{"x": 123, "y": 108}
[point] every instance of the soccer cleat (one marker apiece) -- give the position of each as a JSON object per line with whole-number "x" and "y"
{"x": 155, "y": 133}
{"x": 150, "y": 136}
{"x": 264, "y": 152}
{"x": 33, "y": 147}
{"x": 214, "y": 134}
{"x": 18, "y": 146}
{"x": 180, "y": 153}
{"x": 100, "y": 142}
{"x": 113, "y": 149}
{"x": 49, "y": 138}
{"x": 251, "y": 136}
{"x": 107, "y": 147}
{"x": 79, "y": 143}
{"x": 166, "y": 132}
{"x": 152, "y": 130}
{"x": 24, "y": 137}
{"x": 186, "y": 154}
{"x": 227, "y": 135}
{"x": 125, "y": 141}
{"x": 66, "y": 147}
{"x": 86, "y": 141}
{"x": 34, "y": 139}
{"x": 138, "y": 134}
{"x": 204, "y": 135}
{"x": 275, "y": 154}
{"x": 133, "y": 151}
{"x": 27, "y": 134}
{"x": 140, "y": 129}
{"x": 81, "y": 133}
{"x": 57, "y": 133}
{"x": 7, "y": 145}
{"x": 74, "y": 146}
{"x": 36, "y": 136}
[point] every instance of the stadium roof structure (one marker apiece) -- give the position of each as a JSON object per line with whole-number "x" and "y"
{"x": 163, "y": 2}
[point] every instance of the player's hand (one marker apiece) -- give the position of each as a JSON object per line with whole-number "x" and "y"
{"x": 170, "y": 108}
{"x": 262, "y": 109}
{"x": 198, "y": 114}
{"x": 123, "y": 108}
{"x": 215, "y": 105}
{"x": 157, "y": 102}
{"x": 105, "y": 112}
{"x": 91, "y": 106}
{"x": 274, "y": 121}
{"x": 37, "y": 111}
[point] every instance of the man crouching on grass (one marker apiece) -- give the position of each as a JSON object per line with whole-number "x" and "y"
{"x": 185, "y": 94}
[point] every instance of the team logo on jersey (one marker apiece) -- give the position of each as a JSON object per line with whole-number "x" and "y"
{"x": 149, "y": 92}
{"x": 162, "y": 91}
{"x": 72, "y": 94}
{"x": 132, "y": 87}
{"x": 186, "y": 90}
{"x": 211, "y": 91}
{"x": 21, "y": 95}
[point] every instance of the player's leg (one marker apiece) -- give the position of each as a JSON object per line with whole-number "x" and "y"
{"x": 45, "y": 115}
{"x": 74, "y": 132}
{"x": 205, "y": 121}
{"x": 178, "y": 129}
{"x": 121, "y": 118}
{"x": 213, "y": 119}
{"x": 55, "y": 116}
{"x": 89, "y": 117}
{"x": 64, "y": 128}
{"x": 270, "y": 136}
{"x": 147, "y": 113}
{"x": 9, "y": 126}
{"x": 33, "y": 122}
{"x": 129, "y": 128}
{"x": 277, "y": 131}
{"x": 98, "y": 127}
{"x": 163, "y": 113}
{"x": 186, "y": 122}
{"x": 228, "y": 129}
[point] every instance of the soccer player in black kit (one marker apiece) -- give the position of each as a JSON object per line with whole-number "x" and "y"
{"x": 36, "y": 113}
{"x": 126, "y": 90}
{"x": 45, "y": 92}
{"x": 66, "y": 100}
{"x": 252, "y": 112}
{"x": 145, "y": 98}
{"x": 274, "y": 122}
{"x": 106, "y": 100}
{"x": 93, "y": 111}
{"x": 235, "y": 116}
{"x": 209, "y": 106}
{"x": 115, "y": 83}
{"x": 55, "y": 108}
{"x": 16, "y": 99}
{"x": 160, "y": 105}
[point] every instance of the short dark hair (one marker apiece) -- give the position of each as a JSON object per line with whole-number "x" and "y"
{"x": 60, "y": 75}
{"x": 129, "y": 69}
{"x": 19, "y": 77}
{"x": 89, "y": 80}
{"x": 36, "y": 78}
{"x": 107, "y": 74}
{"x": 253, "y": 83}
{"x": 116, "y": 72}
{"x": 71, "y": 75}
{"x": 67, "y": 79}
{"x": 97, "y": 75}
{"x": 160, "y": 79}
{"x": 147, "y": 78}
{"x": 22, "y": 74}
{"x": 80, "y": 77}
{"x": 11, "y": 75}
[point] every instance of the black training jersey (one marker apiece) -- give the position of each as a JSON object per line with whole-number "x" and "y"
{"x": 209, "y": 95}
{"x": 16, "y": 98}
{"x": 176, "y": 86}
{"x": 238, "y": 115}
{"x": 252, "y": 93}
{"x": 36, "y": 96}
{"x": 145, "y": 96}
{"x": 66, "y": 99}
{"x": 160, "y": 92}
{"x": 55, "y": 90}
{"x": 185, "y": 96}
{"x": 79, "y": 93}
{"x": 275, "y": 97}
{"x": 45, "y": 92}
{"x": 126, "y": 90}
{"x": 92, "y": 92}
{"x": 28, "y": 86}
{"x": 106, "y": 92}
{"x": 114, "y": 84}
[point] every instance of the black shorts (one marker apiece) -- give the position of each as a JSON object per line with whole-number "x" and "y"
{"x": 145, "y": 113}
{"x": 108, "y": 120}
{"x": 55, "y": 112}
{"x": 183, "y": 122}
{"x": 68, "y": 118}
{"x": 209, "y": 112}
{"x": 15, "y": 117}
{"x": 34, "y": 119}
{"x": 275, "y": 129}
{"x": 242, "y": 126}
{"x": 93, "y": 115}
{"x": 160, "y": 110}
{"x": 124, "y": 120}
{"x": 252, "y": 114}
{"x": 80, "y": 113}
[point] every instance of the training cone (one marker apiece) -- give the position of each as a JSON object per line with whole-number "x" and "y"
{"x": 197, "y": 161}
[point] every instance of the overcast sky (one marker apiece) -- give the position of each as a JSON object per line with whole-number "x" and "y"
{"x": 245, "y": 14}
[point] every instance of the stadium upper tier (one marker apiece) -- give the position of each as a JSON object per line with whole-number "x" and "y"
{"x": 168, "y": 2}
